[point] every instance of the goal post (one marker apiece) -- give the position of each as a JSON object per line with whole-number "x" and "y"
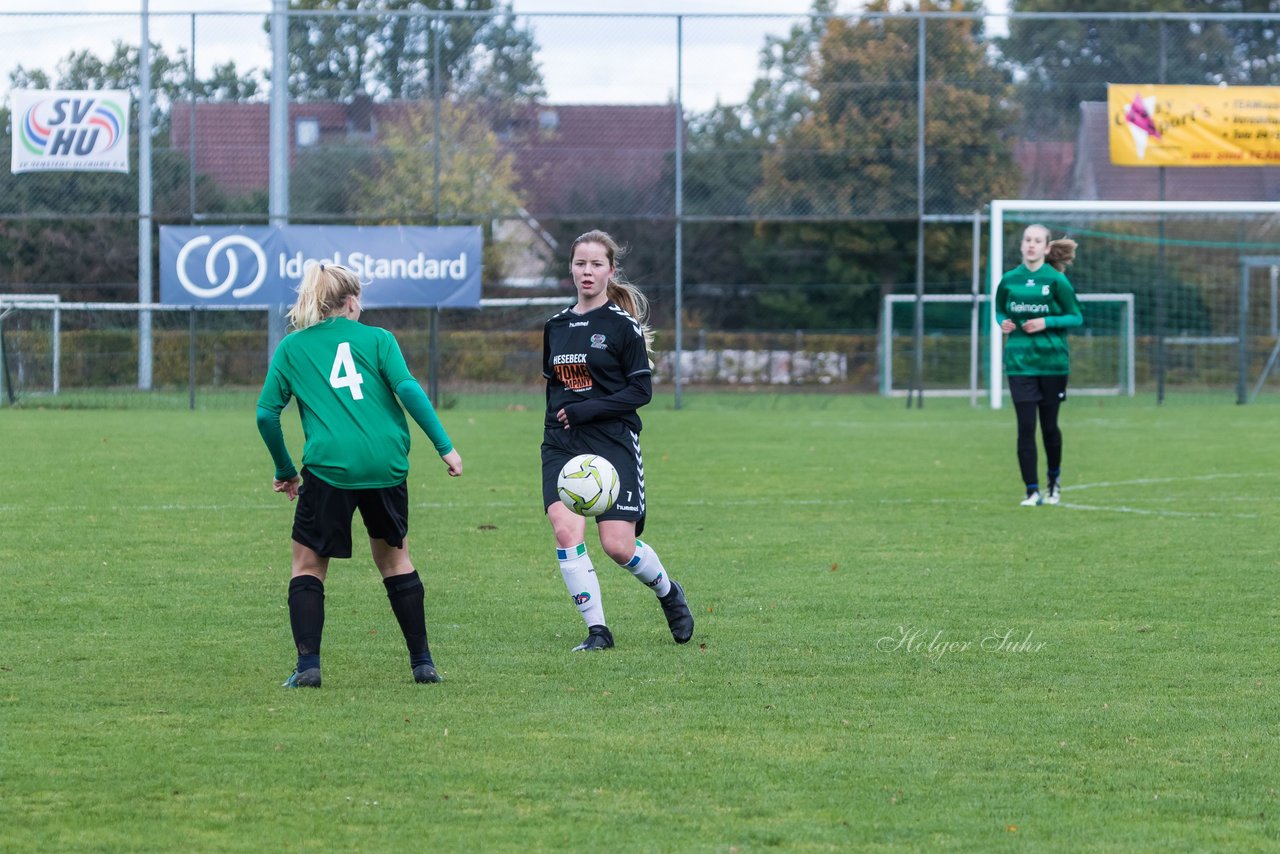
{"x": 10, "y": 302}
{"x": 1204, "y": 259}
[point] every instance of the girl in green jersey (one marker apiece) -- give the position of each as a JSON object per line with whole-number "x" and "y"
{"x": 1035, "y": 305}
{"x": 350, "y": 381}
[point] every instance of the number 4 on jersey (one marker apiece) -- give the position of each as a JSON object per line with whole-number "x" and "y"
{"x": 343, "y": 373}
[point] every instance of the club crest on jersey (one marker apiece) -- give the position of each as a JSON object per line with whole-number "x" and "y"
{"x": 597, "y": 341}
{"x": 1045, "y": 290}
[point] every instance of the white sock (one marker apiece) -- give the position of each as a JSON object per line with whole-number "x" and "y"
{"x": 646, "y": 567}
{"x": 580, "y": 577}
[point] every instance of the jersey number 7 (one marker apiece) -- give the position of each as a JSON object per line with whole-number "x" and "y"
{"x": 343, "y": 374}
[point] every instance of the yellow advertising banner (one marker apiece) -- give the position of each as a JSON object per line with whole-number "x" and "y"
{"x": 1193, "y": 125}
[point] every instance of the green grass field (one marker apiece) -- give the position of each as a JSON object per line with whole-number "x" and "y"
{"x": 890, "y": 654}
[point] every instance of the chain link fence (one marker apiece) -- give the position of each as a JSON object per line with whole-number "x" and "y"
{"x": 770, "y": 216}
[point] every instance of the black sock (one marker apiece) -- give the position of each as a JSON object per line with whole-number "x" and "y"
{"x": 1026, "y": 413}
{"x": 406, "y": 595}
{"x": 306, "y": 617}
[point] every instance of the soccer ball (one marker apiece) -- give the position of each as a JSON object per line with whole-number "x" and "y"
{"x": 588, "y": 485}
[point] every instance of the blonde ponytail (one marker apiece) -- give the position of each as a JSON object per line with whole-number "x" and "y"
{"x": 630, "y": 299}
{"x": 324, "y": 288}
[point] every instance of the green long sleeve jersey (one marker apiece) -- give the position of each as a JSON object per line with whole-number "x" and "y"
{"x": 345, "y": 377}
{"x": 1023, "y": 295}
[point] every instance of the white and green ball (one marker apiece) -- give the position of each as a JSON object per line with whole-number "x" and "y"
{"x": 588, "y": 485}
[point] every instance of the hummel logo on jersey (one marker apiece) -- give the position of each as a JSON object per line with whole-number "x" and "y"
{"x": 578, "y": 323}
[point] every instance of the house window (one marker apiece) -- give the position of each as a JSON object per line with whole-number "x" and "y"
{"x": 548, "y": 120}
{"x": 308, "y": 132}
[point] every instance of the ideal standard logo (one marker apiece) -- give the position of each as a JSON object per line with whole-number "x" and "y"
{"x": 238, "y": 264}
{"x": 404, "y": 266}
{"x": 72, "y": 127}
{"x": 223, "y": 266}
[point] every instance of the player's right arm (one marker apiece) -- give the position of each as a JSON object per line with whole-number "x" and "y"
{"x": 418, "y": 405}
{"x": 998, "y": 304}
{"x": 546, "y": 361}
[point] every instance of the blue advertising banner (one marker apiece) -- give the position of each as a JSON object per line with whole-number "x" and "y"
{"x": 401, "y": 266}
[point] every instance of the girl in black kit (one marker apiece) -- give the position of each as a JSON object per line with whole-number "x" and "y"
{"x": 595, "y": 356}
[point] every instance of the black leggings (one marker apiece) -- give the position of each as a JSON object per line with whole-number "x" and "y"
{"x": 1048, "y": 410}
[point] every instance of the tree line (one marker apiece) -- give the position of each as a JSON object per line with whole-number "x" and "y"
{"x": 801, "y": 201}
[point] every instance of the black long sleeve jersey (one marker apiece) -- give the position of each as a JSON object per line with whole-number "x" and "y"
{"x": 596, "y": 366}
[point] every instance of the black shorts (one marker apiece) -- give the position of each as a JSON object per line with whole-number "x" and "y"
{"x": 322, "y": 521}
{"x": 1038, "y": 389}
{"x": 612, "y": 440}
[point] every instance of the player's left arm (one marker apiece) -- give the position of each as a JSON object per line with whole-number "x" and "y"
{"x": 636, "y": 393}
{"x": 273, "y": 436}
{"x": 634, "y": 358}
{"x": 275, "y": 396}
{"x": 1069, "y": 315}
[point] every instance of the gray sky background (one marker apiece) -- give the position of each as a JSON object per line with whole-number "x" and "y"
{"x": 592, "y": 51}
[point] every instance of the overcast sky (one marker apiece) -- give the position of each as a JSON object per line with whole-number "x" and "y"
{"x": 592, "y": 53}
{"x": 664, "y": 6}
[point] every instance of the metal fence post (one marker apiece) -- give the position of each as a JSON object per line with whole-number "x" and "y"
{"x": 144, "y": 202}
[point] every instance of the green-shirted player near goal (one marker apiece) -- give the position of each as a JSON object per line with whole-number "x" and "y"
{"x": 1035, "y": 305}
{"x": 349, "y": 380}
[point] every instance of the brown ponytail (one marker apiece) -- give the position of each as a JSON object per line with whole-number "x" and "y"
{"x": 1061, "y": 253}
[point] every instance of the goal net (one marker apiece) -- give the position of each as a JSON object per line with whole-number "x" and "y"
{"x": 956, "y": 333}
{"x": 1204, "y": 278}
